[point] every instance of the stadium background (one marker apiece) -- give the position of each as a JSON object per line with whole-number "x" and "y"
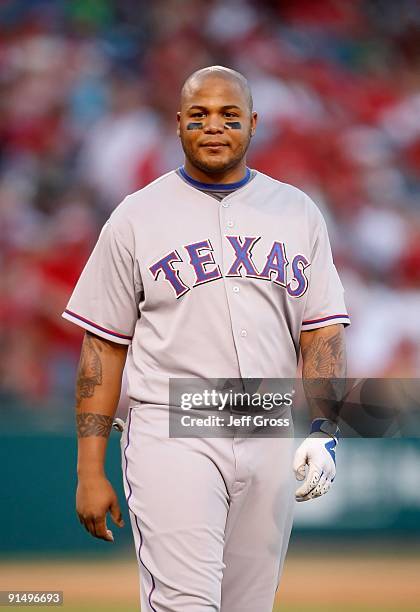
{"x": 88, "y": 93}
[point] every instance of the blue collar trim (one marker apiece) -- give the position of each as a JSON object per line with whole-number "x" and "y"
{"x": 215, "y": 186}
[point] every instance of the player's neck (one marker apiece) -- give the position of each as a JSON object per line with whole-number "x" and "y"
{"x": 233, "y": 175}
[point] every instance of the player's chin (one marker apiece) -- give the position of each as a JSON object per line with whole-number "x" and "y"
{"x": 215, "y": 162}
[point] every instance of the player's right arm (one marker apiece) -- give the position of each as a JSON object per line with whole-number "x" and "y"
{"x": 98, "y": 388}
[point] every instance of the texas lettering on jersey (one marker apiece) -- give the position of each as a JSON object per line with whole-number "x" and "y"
{"x": 200, "y": 257}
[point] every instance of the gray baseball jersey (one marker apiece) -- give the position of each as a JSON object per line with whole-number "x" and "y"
{"x": 205, "y": 288}
{"x": 212, "y": 289}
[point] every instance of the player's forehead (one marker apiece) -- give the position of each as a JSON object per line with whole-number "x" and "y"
{"x": 214, "y": 92}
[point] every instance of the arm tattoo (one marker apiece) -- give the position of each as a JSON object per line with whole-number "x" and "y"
{"x": 90, "y": 369}
{"x": 325, "y": 357}
{"x": 91, "y": 424}
{"x": 324, "y": 373}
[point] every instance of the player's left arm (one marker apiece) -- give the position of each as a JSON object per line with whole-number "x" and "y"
{"x": 324, "y": 373}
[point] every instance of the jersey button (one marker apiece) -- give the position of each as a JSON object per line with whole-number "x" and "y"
{"x": 244, "y": 333}
{"x": 236, "y": 289}
{"x": 225, "y": 204}
{"x": 230, "y": 223}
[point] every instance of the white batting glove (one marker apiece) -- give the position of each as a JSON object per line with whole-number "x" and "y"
{"x": 314, "y": 460}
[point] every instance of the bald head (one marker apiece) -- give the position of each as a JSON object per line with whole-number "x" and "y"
{"x": 197, "y": 78}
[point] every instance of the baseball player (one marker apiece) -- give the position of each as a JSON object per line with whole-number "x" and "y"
{"x": 214, "y": 270}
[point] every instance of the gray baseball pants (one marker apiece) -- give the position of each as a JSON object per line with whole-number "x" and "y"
{"x": 211, "y": 517}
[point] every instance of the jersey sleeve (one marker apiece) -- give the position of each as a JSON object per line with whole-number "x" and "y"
{"x": 325, "y": 302}
{"x": 106, "y": 297}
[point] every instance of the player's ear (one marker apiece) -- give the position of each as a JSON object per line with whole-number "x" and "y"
{"x": 254, "y": 119}
{"x": 178, "y": 118}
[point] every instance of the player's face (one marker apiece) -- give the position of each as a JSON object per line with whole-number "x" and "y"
{"x": 215, "y": 125}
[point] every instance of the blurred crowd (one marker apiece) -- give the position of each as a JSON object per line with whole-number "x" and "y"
{"x": 88, "y": 96}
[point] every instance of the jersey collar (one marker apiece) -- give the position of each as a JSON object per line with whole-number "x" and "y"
{"x": 215, "y": 186}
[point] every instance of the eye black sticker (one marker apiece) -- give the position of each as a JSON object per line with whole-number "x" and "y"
{"x": 233, "y": 125}
{"x": 195, "y": 125}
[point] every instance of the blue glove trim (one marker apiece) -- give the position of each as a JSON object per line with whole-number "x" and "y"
{"x": 325, "y": 426}
{"x": 330, "y": 446}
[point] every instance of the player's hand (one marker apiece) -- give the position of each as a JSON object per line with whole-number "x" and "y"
{"x": 94, "y": 498}
{"x": 314, "y": 463}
